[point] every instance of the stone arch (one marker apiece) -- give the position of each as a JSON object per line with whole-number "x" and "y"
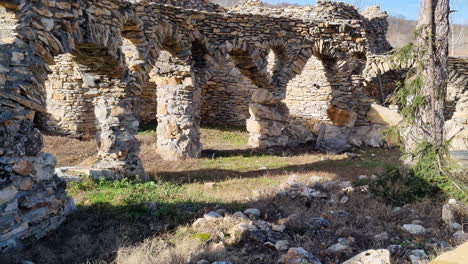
{"x": 343, "y": 69}
{"x": 251, "y": 61}
{"x": 45, "y": 33}
{"x": 96, "y": 47}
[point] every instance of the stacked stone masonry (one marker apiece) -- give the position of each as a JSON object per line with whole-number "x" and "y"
{"x": 100, "y": 67}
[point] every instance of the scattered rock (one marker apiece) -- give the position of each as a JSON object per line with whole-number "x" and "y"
{"x": 345, "y": 184}
{"x": 212, "y": 215}
{"x": 418, "y": 256}
{"x": 239, "y": 215}
{"x": 278, "y": 228}
{"x": 456, "y": 226}
{"x": 363, "y": 177}
{"x": 298, "y": 256}
{"x": 381, "y": 237}
{"x": 282, "y": 245}
{"x": 292, "y": 180}
{"x": 318, "y": 223}
{"x": 270, "y": 245}
{"x": 414, "y": 229}
{"x": 460, "y": 236}
{"x": 7, "y": 194}
{"x": 221, "y": 211}
{"x": 336, "y": 248}
{"x": 315, "y": 179}
{"x": 379, "y": 256}
{"x": 252, "y": 213}
{"x": 199, "y": 222}
{"x": 394, "y": 248}
{"x": 318, "y": 195}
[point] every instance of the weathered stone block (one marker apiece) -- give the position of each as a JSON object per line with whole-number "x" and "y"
{"x": 23, "y": 167}
{"x": 7, "y": 194}
{"x": 383, "y": 116}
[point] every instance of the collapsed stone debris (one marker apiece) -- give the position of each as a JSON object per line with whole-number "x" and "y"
{"x": 100, "y": 68}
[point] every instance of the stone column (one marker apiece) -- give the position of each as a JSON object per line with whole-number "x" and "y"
{"x": 179, "y": 119}
{"x": 118, "y": 147}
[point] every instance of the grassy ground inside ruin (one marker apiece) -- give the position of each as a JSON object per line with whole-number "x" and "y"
{"x": 126, "y": 222}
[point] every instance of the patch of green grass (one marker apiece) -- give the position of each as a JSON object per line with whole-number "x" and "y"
{"x": 236, "y": 139}
{"x": 203, "y": 237}
{"x": 129, "y": 199}
{"x": 214, "y": 137}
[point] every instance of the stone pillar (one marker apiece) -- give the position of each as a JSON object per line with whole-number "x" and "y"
{"x": 118, "y": 147}
{"x": 179, "y": 120}
{"x": 33, "y": 200}
{"x": 269, "y": 124}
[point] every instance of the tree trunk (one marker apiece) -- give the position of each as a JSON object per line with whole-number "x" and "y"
{"x": 432, "y": 43}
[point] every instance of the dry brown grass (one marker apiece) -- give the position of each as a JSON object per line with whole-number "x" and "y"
{"x": 242, "y": 179}
{"x": 368, "y": 217}
{"x": 186, "y": 245}
{"x": 69, "y": 151}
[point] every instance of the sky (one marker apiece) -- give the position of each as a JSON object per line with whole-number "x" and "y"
{"x": 407, "y": 8}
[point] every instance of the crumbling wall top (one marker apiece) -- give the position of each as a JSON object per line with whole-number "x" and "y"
{"x": 201, "y": 5}
{"x": 323, "y": 10}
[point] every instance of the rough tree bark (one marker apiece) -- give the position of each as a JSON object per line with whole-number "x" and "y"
{"x": 432, "y": 42}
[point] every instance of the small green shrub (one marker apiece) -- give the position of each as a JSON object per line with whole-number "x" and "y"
{"x": 398, "y": 190}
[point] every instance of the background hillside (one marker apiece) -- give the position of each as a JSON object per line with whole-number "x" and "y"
{"x": 401, "y": 31}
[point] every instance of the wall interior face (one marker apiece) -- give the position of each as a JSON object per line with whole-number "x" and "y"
{"x": 100, "y": 67}
{"x": 309, "y": 93}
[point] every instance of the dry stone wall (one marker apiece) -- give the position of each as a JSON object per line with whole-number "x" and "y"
{"x": 115, "y": 45}
{"x": 457, "y": 105}
{"x": 308, "y": 94}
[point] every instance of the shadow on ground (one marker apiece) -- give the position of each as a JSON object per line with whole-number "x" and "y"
{"x": 344, "y": 168}
{"x": 95, "y": 233}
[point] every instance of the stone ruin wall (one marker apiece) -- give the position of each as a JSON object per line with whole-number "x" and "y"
{"x": 116, "y": 48}
{"x": 381, "y": 81}
{"x": 22, "y": 190}
{"x": 457, "y": 104}
{"x": 226, "y": 96}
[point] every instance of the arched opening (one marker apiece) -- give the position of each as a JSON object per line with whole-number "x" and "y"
{"x": 70, "y": 91}
{"x": 269, "y": 124}
{"x": 84, "y": 100}
{"x": 226, "y": 97}
{"x": 348, "y": 104}
{"x": 309, "y": 93}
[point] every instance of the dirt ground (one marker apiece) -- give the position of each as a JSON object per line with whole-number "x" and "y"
{"x": 228, "y": 176}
